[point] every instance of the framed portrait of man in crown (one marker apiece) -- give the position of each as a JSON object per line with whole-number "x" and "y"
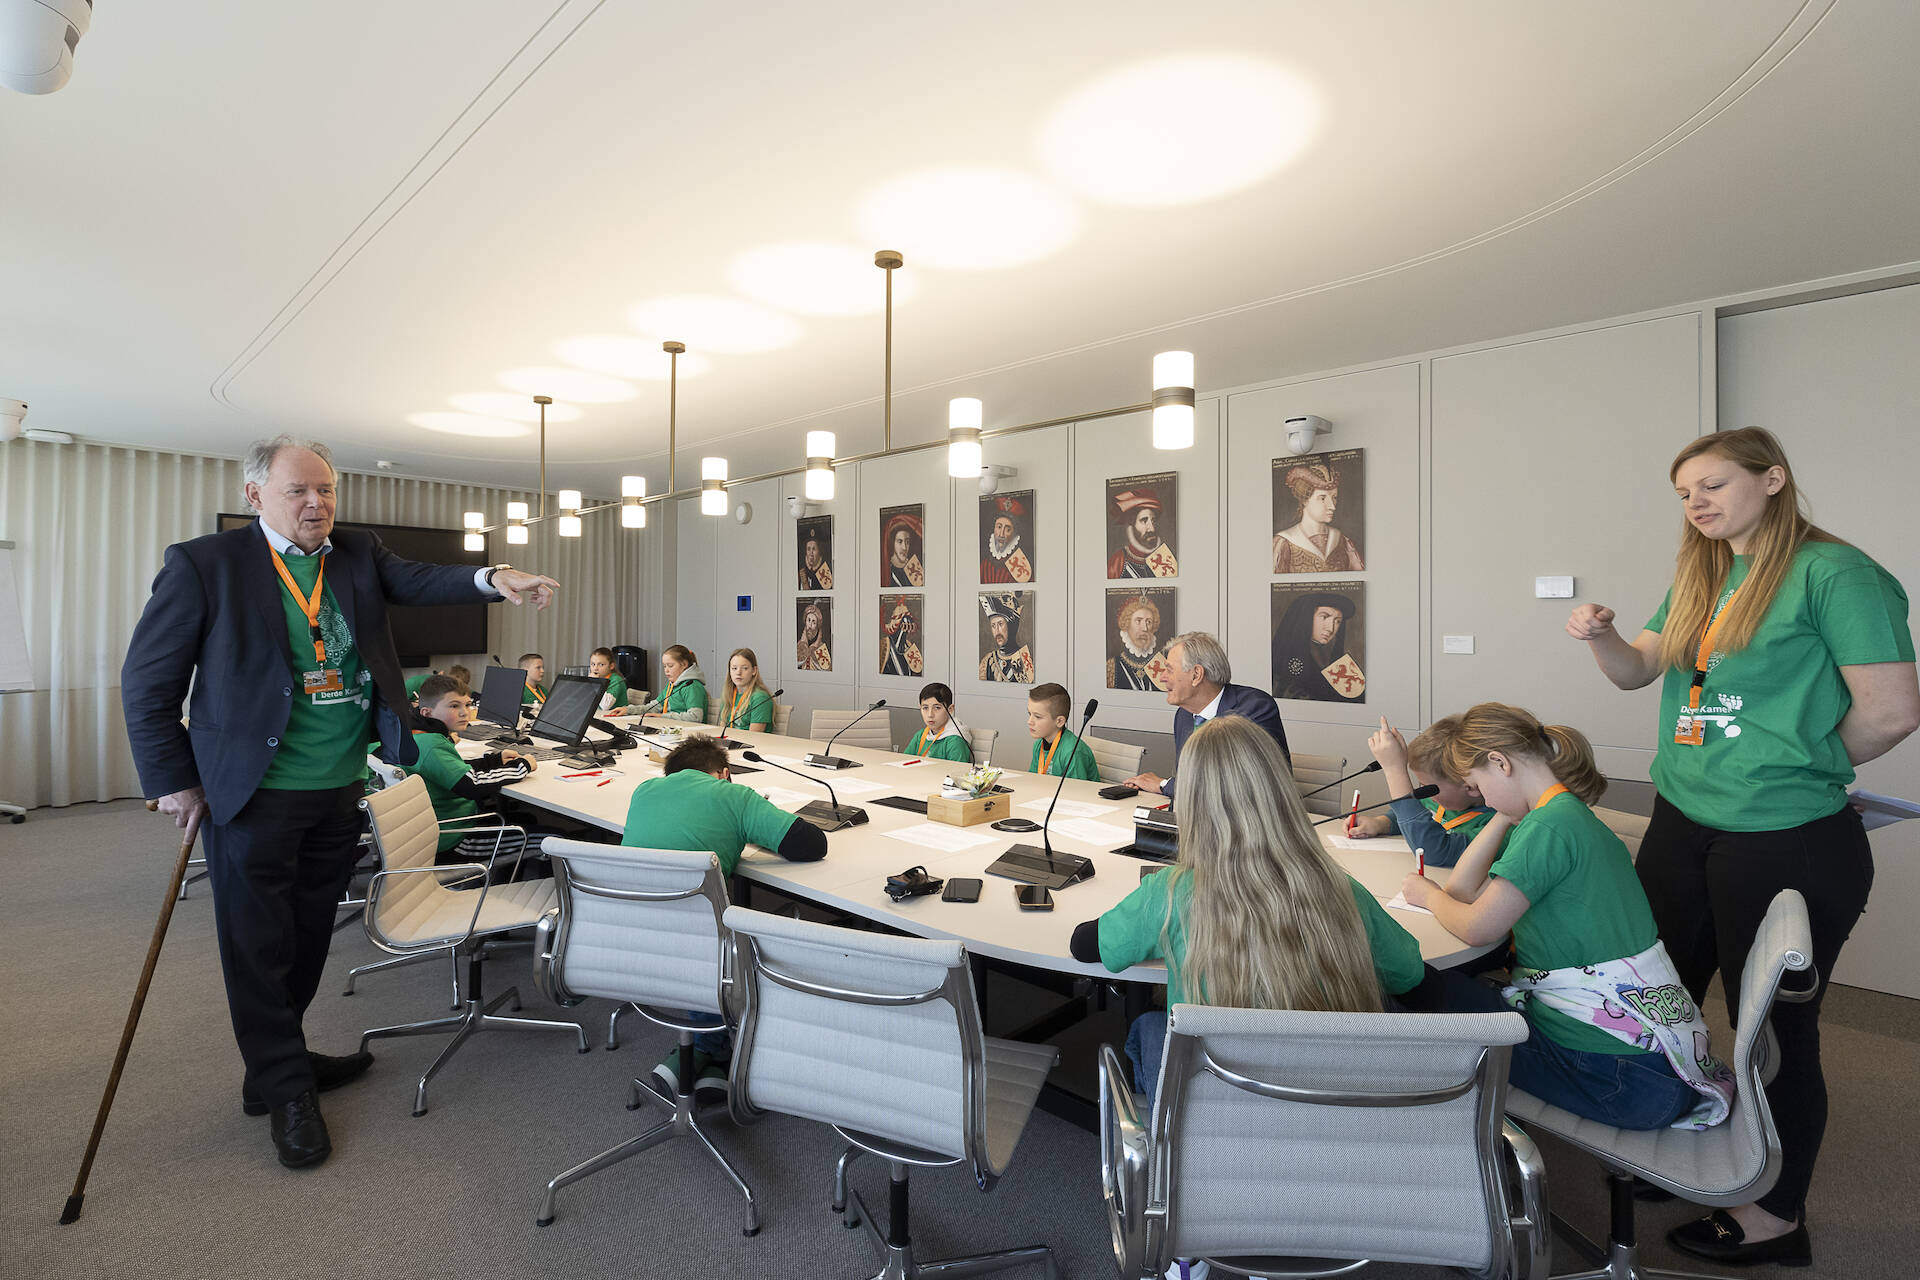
{"x": 1006, "y": 639}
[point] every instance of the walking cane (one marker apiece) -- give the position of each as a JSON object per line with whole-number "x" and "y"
{"x": 72, "y": 1212}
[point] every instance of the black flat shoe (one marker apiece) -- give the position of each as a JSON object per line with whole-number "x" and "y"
{"x": 330, "y": 1071}
{"x": 299, "y": 1132}
{"x": 1718, "y": 1237}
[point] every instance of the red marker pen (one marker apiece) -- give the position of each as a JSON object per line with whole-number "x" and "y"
{"x": 603, "y": 782}
{"x": 1354, "y": 817}
{"x": 1421, "y": 854}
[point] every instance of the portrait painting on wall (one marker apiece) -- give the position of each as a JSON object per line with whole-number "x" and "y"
{"x": 1319, "y": 512}
{"x": 1143, "y": 621}
{"x": 903, "y": 554}
{"x": 1006, "y": 538}
{"x": 1006, "y": 636}
{"x": 814, "y": 537}
{"x": 1319, "y": 641}
{"x": 900, "y": 631}
{"x": 813, "y": 627}
{"x": 1140, "y": 526}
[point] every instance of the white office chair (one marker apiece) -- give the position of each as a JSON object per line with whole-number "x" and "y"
{"x": 980, "y": 742}
{"x": 1296, "y": 1144}
{"x": 880, "y": 1037}
{"x": 875, "y": 732}
{"x": 1736, "y": 1161}
{"x": 1116, "y": 761}
{"x": 412, "y": 908}
{"x": 782, "y": 718}
{"x": 1311, "y": 772}
{"x": 1630, "y": 827}
{"x": 714, "y": 708}
{"x": 641, "y": 926}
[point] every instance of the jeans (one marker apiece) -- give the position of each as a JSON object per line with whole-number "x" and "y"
{"x": 1625, "y": 1090}
{"x": 715, "y": 1044}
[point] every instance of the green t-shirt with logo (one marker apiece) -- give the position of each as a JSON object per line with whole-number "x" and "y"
{"x": 1070, "y": 756}
{"x": 1585, "y": 906}
{"x": 951, "y": 747}
{"x": 325, "y": 742}
{"x": 1130, "y": 934}
{"x": 617, "y": 690}
{"x": 695, "y": 810}
{"x": 1772, "y": 758}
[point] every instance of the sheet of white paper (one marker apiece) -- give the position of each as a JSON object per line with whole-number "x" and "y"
{"x": 937, "y": 835}
{"x": 1881, "y": 811}
{"x": 907, "y": 764}
{"x": 1398, "y": 902}
{"x": 860, "y": 787}
{"x": 590, "y": 777}
{"x": 1371, "y": 844}
{"x": 783, "y": 798}
{"x": 1106, "y": 835}
{"x": 1071, "y": 808}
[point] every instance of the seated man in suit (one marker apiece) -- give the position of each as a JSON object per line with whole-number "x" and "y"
{"x": 1200, "y": 684}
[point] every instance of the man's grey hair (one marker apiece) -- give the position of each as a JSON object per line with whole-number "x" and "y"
{"x": 261, "y": 453}
{"x": 1203, "y": 651}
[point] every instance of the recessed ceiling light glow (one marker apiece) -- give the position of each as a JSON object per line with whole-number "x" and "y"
{"x": 626, "y": 357}
{"x": 968, "y": 218}
{"x": 467, "y": 424}
{"x": 712, "y": 322}
{"x": 511, "y": 406}
{"x": 569, "y": 384}
{"x": 1179, "y": 130}
{"x": 817, "y": 278}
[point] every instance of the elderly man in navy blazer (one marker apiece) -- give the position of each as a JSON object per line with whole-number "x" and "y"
{"x": 280, "y": 628}
{"x": 1201, "y": 686}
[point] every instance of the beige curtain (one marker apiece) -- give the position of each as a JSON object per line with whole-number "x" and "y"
{"x": 91, "y": 523}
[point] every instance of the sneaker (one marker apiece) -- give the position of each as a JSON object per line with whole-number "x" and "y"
{"x": 668, "y": 1072}
{"x": 1185, "y": 1269}
{"x": 710, "y": 1080}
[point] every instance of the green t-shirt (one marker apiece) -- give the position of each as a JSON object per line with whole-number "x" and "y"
{"x": 695, "y": 810}
{"x": 617, "y": 690}
{"x": 1070, "y": 756}
{"x": 1773, "y": 758}
{"x": 745, "y": 713}
{"x": 325, "y": 742}
{"x": 952, "y": 747}
{"x": 687, "y": 695}
{"x": 1585, "y": 905}
{"x": 414, "y": 683}
{"x": 441, "y": 768}
{"x": 530, "y": 698}
{"x": 1130, "y": 934}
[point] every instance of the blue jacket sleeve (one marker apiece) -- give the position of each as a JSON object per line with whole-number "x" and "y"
{"x": 1416, "y": 823}
{"x": 157, "y": 673}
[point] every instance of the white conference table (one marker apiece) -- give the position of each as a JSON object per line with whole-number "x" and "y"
{"x": 859, "y": 859}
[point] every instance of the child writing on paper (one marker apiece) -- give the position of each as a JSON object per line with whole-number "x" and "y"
{"x": 1056, "y": 750}
{"x": 685, "y": 697}
{"x": 1615, "y": 1036}
{"x": 1443, "y": 824}
{"x": 942, "y": 738}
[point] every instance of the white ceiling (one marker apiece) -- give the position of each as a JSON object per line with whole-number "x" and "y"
{"x": 245, "y": 219}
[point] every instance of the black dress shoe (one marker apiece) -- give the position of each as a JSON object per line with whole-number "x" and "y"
{"x": 299, "y": 1132}
{"x": 1718, "y": 1237}
{"x": 330, "y": 1071}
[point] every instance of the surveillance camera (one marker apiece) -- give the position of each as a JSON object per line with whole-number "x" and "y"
{"x": 37, "y": 40}
{"x": 796, "y": 506}
{"x": 743, "y": 513}
{"x": 1302, "y": 430}
{"x": 12, "y": 414}
{"x": 991, "y": 475}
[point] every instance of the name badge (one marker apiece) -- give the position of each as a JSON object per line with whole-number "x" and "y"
{"x": 1690, "y": 731}
{"x": 323, "y": 681}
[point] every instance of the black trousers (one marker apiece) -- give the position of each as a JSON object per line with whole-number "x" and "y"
{"x": 278, "y": 870}
{"x": 1709, "y": 890}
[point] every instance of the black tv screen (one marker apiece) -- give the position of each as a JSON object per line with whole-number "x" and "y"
{"x": 418, "y": 633}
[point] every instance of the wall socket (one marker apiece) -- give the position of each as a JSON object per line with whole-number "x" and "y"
{"x": 1553, "y": 588}
{"x": 1456, "y": 644}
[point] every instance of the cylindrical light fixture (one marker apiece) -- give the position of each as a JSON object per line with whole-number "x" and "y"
{"x": 1173, "y": 400}
{"x": 963, "y": 438}
{"x": 569, "y": 526}
{"x": 517, "y": 533}
{"x": 517, "y": 511}
{"x": 475, "y": 541}
{"x": 475, "y": 520}
{"x": 820, "y": 466}
{"x": 569, "y": 499}
{"x": 713, "y": 486}
{"x": 633, "y": 515}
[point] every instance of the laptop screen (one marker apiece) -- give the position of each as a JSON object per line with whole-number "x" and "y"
{"x": 573, "y": 702}
{"x": 500, "y": 694}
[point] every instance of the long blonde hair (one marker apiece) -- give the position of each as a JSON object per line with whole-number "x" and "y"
{"x": 1272, "y": 922}
{"x": 1703, "y": 563}
{"x": 758, "y": 683}
{"x": 1513, "y": 731}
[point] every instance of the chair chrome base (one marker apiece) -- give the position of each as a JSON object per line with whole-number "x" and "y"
{"x": 395, "y": 962}
{"x": 473, "y": 1017}
{"x": 1623, "y": 1250}
{"x": 682, "y": 1122}
{"x": 895, "y": 1247}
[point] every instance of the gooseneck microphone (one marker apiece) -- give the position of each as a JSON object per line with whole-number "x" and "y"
{"x": 827, "y": 817}
{"x": 826, "y": 759}
{"x": 1373, "y": 766}
{"x": 1418, "y": 793}
{"x": 722, "y": 739}
{"x": 1080, "y": 744}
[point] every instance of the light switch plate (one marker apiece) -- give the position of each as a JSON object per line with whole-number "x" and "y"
{"x": 1553, "y": 588}
{"x": 1456, "y": 644}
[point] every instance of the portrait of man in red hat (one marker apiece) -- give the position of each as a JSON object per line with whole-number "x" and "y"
{"x": 902, "y": 546}
{"x": 1140, "y": 527}
{"x": 1006, "y": 525}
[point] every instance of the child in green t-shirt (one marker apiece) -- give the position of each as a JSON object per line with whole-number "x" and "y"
{"x": 1442, "y": 825}
{"x": 535, "y": 694}
{"x": 457, "y": 786}
{"x": 614, "y": 701}
{"x": 942, "y": 738}
{"x": 1056, "y": 750}
{"x": 458, "y": 672}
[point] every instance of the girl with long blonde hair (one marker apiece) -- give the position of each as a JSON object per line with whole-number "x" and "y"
{"x": 747, "y": 705}
{"x": 1785, "y": 660}
{"x": 1254, "y": 914}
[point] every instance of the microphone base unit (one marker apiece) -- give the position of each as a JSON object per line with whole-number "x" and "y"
{"x": 832, "y": 817}
{"x": 828, "y": 762}
{"x": 1030, "y": 864}
{"x": 1017, "y": 824}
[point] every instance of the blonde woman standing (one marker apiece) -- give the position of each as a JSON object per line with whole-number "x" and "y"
{"x": 1785, "y": 659}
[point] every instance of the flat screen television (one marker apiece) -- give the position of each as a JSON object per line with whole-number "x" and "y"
{"x": 418, "y": 633}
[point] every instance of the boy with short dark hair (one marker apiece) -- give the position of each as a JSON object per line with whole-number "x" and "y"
{"x": 535, "y": 694}
{"x": 457, "y": 786}
{"x": 614, "y": 701}
{"x": 1056, "y": 749}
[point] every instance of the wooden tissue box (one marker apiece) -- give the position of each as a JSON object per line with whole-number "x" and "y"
{"x": 968, "y": 813}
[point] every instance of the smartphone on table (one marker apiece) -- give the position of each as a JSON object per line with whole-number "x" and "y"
{"x": 1033, "y": 897}
{"x": 961, "y": 889}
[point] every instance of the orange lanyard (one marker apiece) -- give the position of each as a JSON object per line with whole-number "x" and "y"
{"x": 1552, "y": 791}
{"x": 667, "y": 697}
{"x": 733, "y": 700}
{"x": 926, "y": 744}
{"x": 1706, "y": 651}
{"x": 1458, "y": 819}
{"x": 1046, "y": 757}
{"x": 309, "y": 607}
{"x": 539, "y": 694}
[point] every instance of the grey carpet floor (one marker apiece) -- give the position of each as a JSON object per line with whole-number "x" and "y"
{"x": 186, "y": 1186}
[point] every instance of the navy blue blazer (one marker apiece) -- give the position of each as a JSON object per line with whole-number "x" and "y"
{"x": 215, "y": 621}
{"x": 1235, "y": 700}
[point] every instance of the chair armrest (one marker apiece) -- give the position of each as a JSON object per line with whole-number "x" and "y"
{"x": 546, "y": 972}
{"x": 1533, "y": 1228}
{"x": 1123, "y": 1164}
{"x": 403, "y": 948}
